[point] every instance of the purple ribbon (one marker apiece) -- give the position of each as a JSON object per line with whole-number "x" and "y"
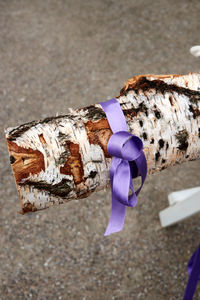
{"x": 194, "y": 274}
{"x": 128, "y": 162}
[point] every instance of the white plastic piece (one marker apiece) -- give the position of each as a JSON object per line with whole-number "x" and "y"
{"x": 183, "y": 204}
{"x": 195, "y": 50}
{"x": 178, "y": 196}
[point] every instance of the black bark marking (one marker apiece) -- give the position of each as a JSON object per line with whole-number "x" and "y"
{"x": 141, "y": 108}
{"x": 161, "y": 143}
{"x": 95, "y": 113}
{"x": 93, "y": 174}
{"x": 144, "y": 136}
{"x": 195, "y": 111}
{"x": 18, "y": 131}
{"x": 63, "y": 157}
{"x": 12, "y": 159}
{"x": 199, "y": 132}
{"x": 171, "y": 100}
{"x": 167, "y": 145}
{"x": 195, "y": 98}
{"x": 182, "y": 137}
{"x": 143, "y": 84}
{"x": 157, "y": 155}
{"x": 157, "y": 114}
{"x": 163, "y": 161}
{"x": 60, "y": 189}
{"x": 152, "y": 141}
{"x": 141, "y": 123}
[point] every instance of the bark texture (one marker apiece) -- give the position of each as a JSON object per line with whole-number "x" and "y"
{"x": 65, "y": 157}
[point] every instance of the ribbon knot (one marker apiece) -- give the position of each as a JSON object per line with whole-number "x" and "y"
{"x": 128, "y": 162}
{"x": 125, "y": 145}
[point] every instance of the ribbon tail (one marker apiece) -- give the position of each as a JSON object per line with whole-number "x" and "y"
{"x": 194, "y": 275}
{"x": 117, "y": 217}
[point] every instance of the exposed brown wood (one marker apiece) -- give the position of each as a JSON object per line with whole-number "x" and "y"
{"x": 99, "y": 133}
{"x": 73, "y": 164}
{"x": 24, "y": 161}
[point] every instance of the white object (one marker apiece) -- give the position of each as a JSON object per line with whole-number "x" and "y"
{"x": 182, "y": 204}
{"x": 195, "y": 50}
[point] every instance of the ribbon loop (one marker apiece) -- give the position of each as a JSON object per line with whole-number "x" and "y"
{"x": 125, "y": 145}
{"x": 128, "y": 162}
{"x": 120, "y": 184}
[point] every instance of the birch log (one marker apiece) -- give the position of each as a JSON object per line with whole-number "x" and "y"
{"x": 65, "y": 157}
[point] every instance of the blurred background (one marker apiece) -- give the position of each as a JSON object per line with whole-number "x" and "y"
{"x": 56, "y": 54}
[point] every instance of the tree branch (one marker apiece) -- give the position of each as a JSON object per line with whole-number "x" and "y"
{"x": 65, "y": 157}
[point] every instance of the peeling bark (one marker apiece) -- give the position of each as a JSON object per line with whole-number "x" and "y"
{"x": 65, "y": 157}
{"x": 25, "y": 161}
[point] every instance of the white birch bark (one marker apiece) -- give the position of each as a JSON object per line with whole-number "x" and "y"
{"x": 65, "y": 157}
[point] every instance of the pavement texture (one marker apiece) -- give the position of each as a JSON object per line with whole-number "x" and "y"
{"x": 60, "y": 54}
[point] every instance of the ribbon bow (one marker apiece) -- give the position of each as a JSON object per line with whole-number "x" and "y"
{"x": 128, "y": 162}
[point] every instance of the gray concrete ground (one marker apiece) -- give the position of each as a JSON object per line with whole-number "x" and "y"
{"x": 60, "y": 54}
